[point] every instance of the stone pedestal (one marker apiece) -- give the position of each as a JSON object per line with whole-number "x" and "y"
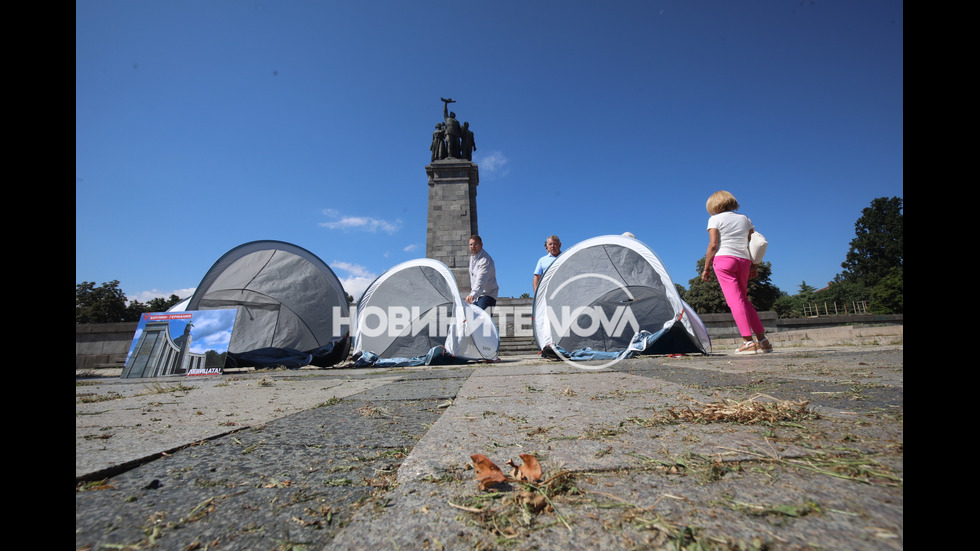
{"x": 452, "y": 215}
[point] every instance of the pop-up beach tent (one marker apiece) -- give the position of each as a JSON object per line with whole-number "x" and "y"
{"x": 413, "y": 311}
{"x": 602, "y": 293}
{"x": 287, "y": 301}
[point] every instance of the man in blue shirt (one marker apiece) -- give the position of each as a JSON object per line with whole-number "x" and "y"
{"x": 553, "y": 246}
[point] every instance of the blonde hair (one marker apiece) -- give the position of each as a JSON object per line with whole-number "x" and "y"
{"x": 721, "y": 201}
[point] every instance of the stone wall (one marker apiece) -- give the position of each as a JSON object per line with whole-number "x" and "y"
{"x": 513, "y": 317}
{"x": 101, "y": 345}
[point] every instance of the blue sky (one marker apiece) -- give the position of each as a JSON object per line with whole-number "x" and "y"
{"x": 200, "y": 126}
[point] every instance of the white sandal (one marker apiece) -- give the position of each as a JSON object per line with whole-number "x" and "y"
{"x": 748, "y": 347}
{"x": 765, "y": 346}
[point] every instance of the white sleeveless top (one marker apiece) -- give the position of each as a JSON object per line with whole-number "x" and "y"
{"x": 733, "y": 229}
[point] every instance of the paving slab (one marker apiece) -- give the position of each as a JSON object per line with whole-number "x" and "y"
{"x": 119, "y": 422}
{"x": 357, "y": 459}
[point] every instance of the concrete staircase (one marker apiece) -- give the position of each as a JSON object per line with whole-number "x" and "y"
{"x": 511, "y": 345}
{"x": 517, "y": 346}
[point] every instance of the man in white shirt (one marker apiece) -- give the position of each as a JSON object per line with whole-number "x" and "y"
{"x": 483, "y": 276}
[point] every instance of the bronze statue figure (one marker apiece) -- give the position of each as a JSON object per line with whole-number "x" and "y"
{"x": 468, "y": 142}
{"x": 450, "y": 140}
{"x": 438, "y": 146}
{"x": 453, "y": 132}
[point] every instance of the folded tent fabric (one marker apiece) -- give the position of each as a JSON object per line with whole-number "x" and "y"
{"x": 438, "y": 355}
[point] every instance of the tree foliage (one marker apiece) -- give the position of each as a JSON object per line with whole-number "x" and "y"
{"x": 875, "y": 258}
{"x": 888, "y": 295}
{"x": 878, "y": 245}
{"x": 843, "y": 290}
{"x": 107, "y": 304}
{"x": 103, "y": 304}
{"x": 160, "y": 304}
{"x": 873, "y": 268}
{"x": 791, "y": 306}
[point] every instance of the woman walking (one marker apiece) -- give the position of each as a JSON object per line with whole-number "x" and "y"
{"x": 728, "y": 253}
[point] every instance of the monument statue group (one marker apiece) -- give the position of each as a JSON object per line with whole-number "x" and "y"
{"x": 450, "y": 140}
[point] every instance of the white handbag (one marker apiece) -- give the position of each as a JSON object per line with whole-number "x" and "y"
{"x": 757, "y": 247}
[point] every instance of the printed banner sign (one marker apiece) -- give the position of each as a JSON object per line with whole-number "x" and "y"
{"x": 180, "y": 343}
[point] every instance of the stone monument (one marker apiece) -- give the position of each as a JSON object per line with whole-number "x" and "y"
{"x": 453, "y": 177}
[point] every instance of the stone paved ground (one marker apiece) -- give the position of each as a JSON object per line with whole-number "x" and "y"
{"x": 359, "y": 459}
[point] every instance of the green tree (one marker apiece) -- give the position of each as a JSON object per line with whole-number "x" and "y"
{"x": 108, "y": 304}
{"x": 791, "y": 306}
{"x": 104, "y": 304}
{"x": 875, "y": 257}
{"x": 135, "y": 309}
{"x": 680, "y": 290}
{"x": 878, "y": 246}
{"x": 706, "y": 296}
{"x": 888, "y": 297}
{"x": 806, "y": 290}
{"x": 787, "y": 306}
{"x": 160, "y": 304}
{"x": 843, "y": 291}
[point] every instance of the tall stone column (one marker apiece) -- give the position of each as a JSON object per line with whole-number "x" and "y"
{"x": 452, "y": 215}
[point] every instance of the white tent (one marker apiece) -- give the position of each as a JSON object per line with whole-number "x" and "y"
{"x": 600, "y": 293}
{"x": 415, "y": 307}
{"x": 287, "y": 301}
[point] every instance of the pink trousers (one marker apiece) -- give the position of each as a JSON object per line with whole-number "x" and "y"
{"x": 733, "y": 276}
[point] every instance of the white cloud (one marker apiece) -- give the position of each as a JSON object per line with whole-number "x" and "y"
{"x": 493, "y": 163}
{"x": 411, "y": 248}
{"x": 363, "y": 223}
{"x": 355, "y": 286}
{"x": 353, "y": 269}
{"x": 146, "y": 296}
{"x": 212, "y": 341}
{"x": 357, "y": 278}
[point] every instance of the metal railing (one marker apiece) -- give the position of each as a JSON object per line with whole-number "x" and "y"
{"x": 817, "y": 309}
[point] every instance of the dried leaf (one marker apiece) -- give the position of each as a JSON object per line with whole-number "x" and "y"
{"x": 529, "y": 470}
{"x": 488, "y": 474}
{"x": 535, "y": 502}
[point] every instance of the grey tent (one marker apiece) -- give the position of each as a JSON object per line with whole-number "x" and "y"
{"x": 415, "y": 307}
{"x": 601, "y": 293}
{"x": 292, "y": 309}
